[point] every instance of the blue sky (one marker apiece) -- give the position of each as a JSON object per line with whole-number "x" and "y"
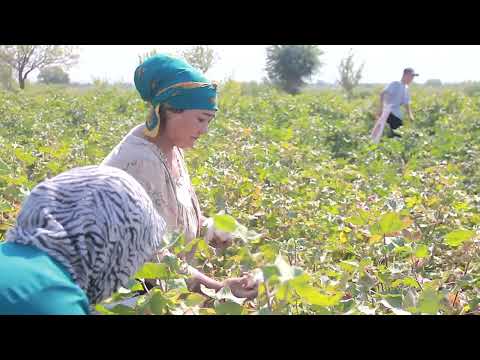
{"x": 383, "y": 63}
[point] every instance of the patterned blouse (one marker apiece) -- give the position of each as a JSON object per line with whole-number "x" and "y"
{"x": 174, "y": 199}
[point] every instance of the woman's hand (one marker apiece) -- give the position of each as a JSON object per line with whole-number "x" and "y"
{"x": 221, "y": 240}
{"x": 243, "y": 287}
{"x": 216, "y": 238}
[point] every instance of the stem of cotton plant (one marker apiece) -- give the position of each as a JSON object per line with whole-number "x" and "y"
{"x": 144, "y": 286}
{"x": 267, "y": 294}
{"x": 386, "y": 254}
{"x": 421, "y": 288}
{"x": 433, "y": 253}
{"x": 414, "y": 270}
{"x": 430, "y": 233}
{"x": 295, "y": 253}
{"x": 464, "y": 273}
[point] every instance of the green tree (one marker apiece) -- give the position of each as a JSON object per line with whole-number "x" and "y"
{"x": 433, "y": 82}
{"x": 289, "y": 65}
{"x": 26, "y": 58}
{"x": 146, "y": 55}
{"x": 53, "y": 75}
{"x": 200, "y": 56}
{"x": 349, "y": 76}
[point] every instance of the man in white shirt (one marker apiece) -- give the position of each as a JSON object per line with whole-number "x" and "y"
{"x": 395, "y": 95}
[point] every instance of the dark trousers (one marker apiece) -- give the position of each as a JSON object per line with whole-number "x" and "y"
{"x": 394, "y": 122}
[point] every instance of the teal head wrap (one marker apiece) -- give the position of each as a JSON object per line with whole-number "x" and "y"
{"x": 163, "y": 79}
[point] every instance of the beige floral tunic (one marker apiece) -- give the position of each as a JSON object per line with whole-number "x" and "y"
{"x": 174, "y": 199}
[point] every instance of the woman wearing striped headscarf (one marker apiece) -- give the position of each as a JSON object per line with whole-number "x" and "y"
{"x": 78, "y": 237}
{"x": 183, "y": 103}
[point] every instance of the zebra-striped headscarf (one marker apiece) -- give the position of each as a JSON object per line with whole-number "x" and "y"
{"x": 97, "y": 221}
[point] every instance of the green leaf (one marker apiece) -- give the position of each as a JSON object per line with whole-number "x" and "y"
{"x": 244, "y": 234}
{"x": 225, "y": 223}
{"x": 123, "y": 310}
{"x": 53, "y": 166}
{"x": 394, "y": 309}
{"x": 473, "y": 304}
{"x": 46, "y": 149}
{"x": 429, "y": 301}
{"x": 311, "y": 295}
{"x": 194, "y": 300}
{"x": 137, "y": 287}
{"x": 21, "y": 180}
{"x": 158, "y": 303}
{"x": 376, "y": 231}
{"x": 4, "y": 169}
{"x": 269, "y": 251}
{"x": 5, "y": 206}
{"x": 314, "y": 297}
{"x": 153, "y": 271}
{"x": 177, "y": 284}
{"x": 409, "y": 281}
{"x": 103, "y": 310}
{"x": 27, "y": 158}
{"x": 270, "y": 271}
{"x": 407, "y": 249}
{"x": 394, "y": 299}
{"x": 421, "y": 251}
{"x": 412, "y": 201}
{"x": 285, "y": 292}
{"x": 349, "y": 266}
{"x": 390, "y": 223}
{"x": 228, "y": 308}
{"x": 206, "y": 311}
{"x": 355, "y": 220}
{"x": 265, "y": 311}
{"x": 192, "y": 244}
{"x": 364, "y": 215}
{"x": 458, "y": 237}
{"x": 300, "y": 281}
{"x": 203, "y": 248}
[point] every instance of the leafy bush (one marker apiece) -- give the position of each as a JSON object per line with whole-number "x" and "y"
{"x": 331, "y": 223}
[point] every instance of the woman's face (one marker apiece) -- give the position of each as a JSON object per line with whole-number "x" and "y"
{"x": 184, "y": 128}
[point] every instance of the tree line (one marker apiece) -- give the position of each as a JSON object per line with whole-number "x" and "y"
{"x": 288, "y": 67}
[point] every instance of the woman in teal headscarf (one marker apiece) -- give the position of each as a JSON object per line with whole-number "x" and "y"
{"x": 183, "y": 102}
